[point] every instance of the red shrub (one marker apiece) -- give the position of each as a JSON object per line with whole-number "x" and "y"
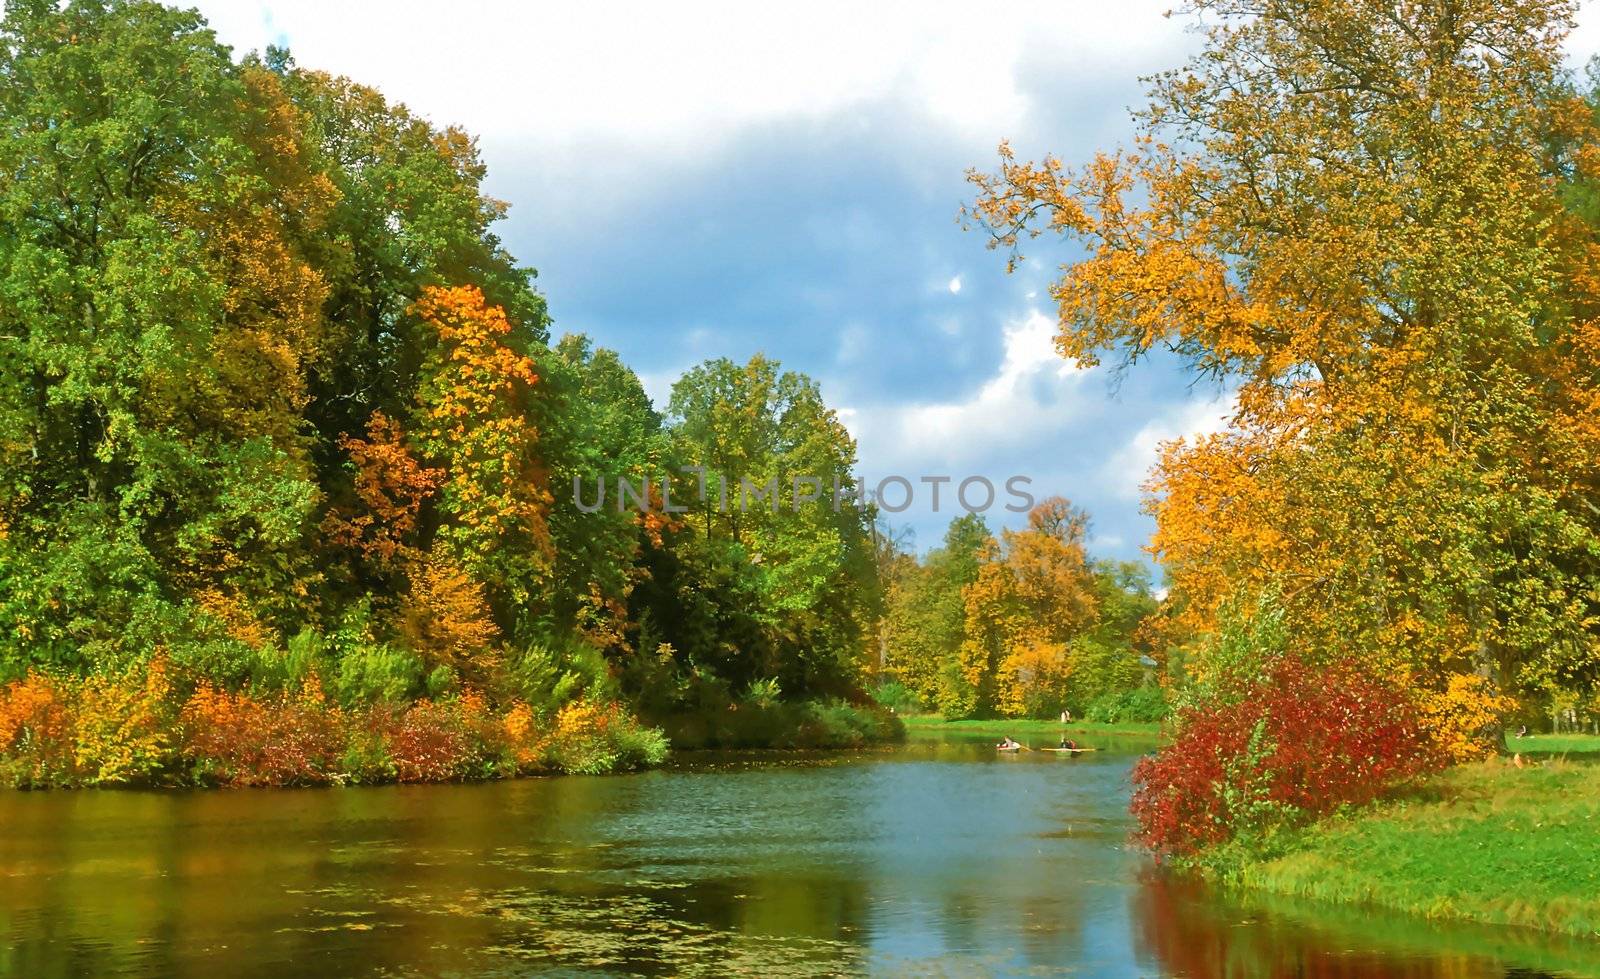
{"x": 1299, "y": 743}
{"x": 237, "y": 740}
{"x": 427, "y": 742}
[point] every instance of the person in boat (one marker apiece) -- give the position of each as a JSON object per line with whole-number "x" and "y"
{"x": 1068, "y": 744}
{"x": 1007, "y": 743}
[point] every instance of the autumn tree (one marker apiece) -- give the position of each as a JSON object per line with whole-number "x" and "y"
{"x": 390, "y": 489}
{"x": 925, "y": 611}
{"x": 1033, "y": 597}
{"x": 1354, "y": 214}
{"x": 474, "y": 419}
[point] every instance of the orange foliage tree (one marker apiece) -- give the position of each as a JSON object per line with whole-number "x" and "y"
{"x": 1353, "y": 214}
{"x": 474, "y": 418}
{"x": 391, "y": 487}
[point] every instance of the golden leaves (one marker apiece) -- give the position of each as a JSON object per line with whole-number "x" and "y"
{"x": 1355, "y": 217}
{"x": 474, "y": 418}
{"x": 446, "y": 617}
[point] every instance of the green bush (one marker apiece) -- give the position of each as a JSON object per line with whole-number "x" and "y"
{"x": 897, "y": 697}
{"x": 366, "y": 758}
{"x": 592, "y": 739}
{"x": 763, "y": 693}
{"x": 549, "y": 674}
{"x": 639, "y": 746}
{"x": 1145, "y": 705}
{"x": 378, "y": 673}
{"x": 287, "y": 669}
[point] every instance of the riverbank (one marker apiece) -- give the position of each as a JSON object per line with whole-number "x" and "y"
{"x": 1023, "y": 729}
{"x": 1490, "y": 843}
{"x": 1554, "y": 744}
{"x": 807, "y": 724}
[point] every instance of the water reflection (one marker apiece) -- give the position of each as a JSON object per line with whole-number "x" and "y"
{"x": 933, "y": 858}
{"x": 1196, "y": 933}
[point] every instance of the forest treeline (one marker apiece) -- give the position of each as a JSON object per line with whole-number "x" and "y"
{"x": 1025, "y": 624}
{"x": 287, "y": 449}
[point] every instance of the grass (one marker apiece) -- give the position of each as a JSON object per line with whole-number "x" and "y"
{"x": 1554, "y": 744}
{"x": 1489, "y": 843}
{"x": 1023, "y": 729}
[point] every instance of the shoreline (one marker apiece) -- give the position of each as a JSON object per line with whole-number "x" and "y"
{"x": 1036, "y": 728}
{"x": 1488, "y": 843}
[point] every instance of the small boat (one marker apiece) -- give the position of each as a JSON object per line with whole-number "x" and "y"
{"x": 1017, "y": 747}
{"x": 1068, "y": 751}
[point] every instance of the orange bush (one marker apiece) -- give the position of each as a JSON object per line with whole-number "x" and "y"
{"x": 234, "y": 739}
{"x": 524, "y": 742}
{"x": 35, "y": 733}
{"x": 132, "y": 728}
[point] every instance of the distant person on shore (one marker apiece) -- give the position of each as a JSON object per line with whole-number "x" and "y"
{"x": 1522, "y": 731}
{"x": 1066, "y": 717}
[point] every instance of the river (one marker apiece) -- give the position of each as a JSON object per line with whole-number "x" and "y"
{"x": 933, "y": 857}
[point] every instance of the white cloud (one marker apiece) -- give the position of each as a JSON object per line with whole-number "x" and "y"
{"x": 955, "y": 285}
{"x": 1012, "y": 408}
{"x": 683, "y": 74}
{"x": 658, "y": 386}
{"x": 1127, "y": 469}
{"x": 1098, "y": 543}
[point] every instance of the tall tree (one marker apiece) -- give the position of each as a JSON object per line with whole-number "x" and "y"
{"x": 1354, "y": 213}
{"x": 781, "y": 513}
{"x": 925, "y": 611}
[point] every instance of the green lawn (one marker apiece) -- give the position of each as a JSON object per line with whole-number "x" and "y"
{"x": 1023, "y": 730}
{"x": 1553, "y": 744}
{"x": 1490, "y": 843}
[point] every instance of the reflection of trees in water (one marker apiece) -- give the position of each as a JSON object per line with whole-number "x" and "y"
{"x": 1193, "y": 933}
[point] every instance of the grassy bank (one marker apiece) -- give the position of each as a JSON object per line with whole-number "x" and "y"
{"x": 1025, "y": 729}
{"x": 782, "y": 724}
{"x": 1554, "y": 744}
{"x": 1489, "y": 843}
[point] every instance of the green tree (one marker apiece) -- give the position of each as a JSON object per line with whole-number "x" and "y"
{"x": 764, "y": 436}
{"x": 925, "y": 611}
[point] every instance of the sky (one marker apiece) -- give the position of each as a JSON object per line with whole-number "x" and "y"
{"x": 721, "y": 179}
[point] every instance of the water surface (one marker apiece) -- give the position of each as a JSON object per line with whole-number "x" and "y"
{"x": 935, "y": 857}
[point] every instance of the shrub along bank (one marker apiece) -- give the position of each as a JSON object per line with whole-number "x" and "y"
{"x": 150, "y": 728}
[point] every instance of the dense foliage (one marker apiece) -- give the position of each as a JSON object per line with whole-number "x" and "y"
{"x": 1366, "y": 217}
{"x": 1293, "y": 743}
{"x": 279, "y": 413}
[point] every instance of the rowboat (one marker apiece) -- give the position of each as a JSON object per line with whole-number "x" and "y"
{"x": 1069, "y": 751}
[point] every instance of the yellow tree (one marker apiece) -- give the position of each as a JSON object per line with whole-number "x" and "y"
{"x": 1352, "y": 212}
{"x": 1033, "y": 596}
{"x": 474, "y": 418}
